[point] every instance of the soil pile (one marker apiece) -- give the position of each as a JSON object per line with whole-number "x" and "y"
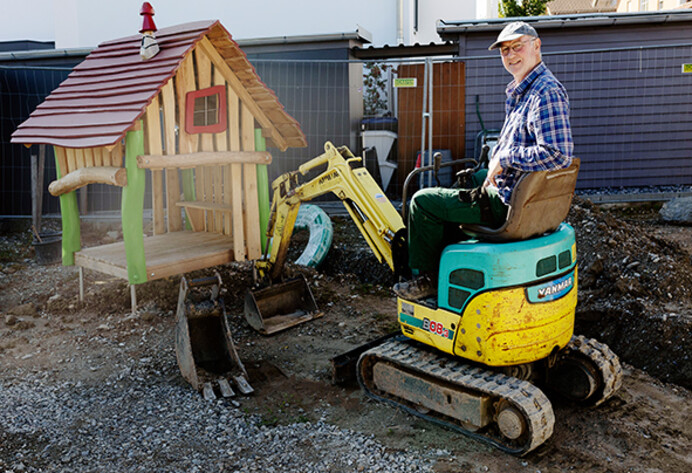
{"x": 635, "y": 290}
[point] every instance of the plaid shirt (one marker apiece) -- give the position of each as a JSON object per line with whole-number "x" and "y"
{"x": 536, "y": 135}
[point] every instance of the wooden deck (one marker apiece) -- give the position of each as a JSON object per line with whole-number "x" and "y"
{"x": 168, "y": 254}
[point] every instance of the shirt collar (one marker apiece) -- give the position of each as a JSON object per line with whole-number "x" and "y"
{"x": 517, "y": 90}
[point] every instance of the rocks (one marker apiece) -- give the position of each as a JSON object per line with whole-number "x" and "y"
{"x": 123, "y": 426}
{"x": 677, "y": 211}
{"x": 28, "y": 309}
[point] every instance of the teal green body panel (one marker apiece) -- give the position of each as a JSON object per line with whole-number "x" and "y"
{"x": 471, "y": 267}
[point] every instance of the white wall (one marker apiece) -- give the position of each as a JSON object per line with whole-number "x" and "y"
{"x": 86, "y": 23}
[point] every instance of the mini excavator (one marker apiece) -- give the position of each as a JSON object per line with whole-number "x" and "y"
{"x": 477, "y": 356}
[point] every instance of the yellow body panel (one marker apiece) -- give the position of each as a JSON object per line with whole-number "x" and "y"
{"x": 498, "y": 328}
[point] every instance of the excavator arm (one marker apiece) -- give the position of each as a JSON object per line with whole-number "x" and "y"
{"x": 374, "y": 215}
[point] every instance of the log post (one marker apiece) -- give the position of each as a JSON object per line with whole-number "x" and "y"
{"x": 133, "y": 208}
{"x": 69, "y": 211}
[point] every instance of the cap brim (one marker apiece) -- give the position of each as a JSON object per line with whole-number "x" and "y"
{"x": 511, "y": 37}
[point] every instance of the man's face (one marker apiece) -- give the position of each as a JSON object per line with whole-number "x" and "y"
{"x": 520, "y": 56}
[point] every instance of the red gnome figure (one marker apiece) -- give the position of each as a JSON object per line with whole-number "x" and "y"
{"x": 149, "y": 47}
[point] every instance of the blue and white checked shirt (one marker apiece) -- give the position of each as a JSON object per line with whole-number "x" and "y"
{"x": 536, "y": 135}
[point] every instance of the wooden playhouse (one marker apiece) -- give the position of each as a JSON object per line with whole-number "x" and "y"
{"x": 196, "y": 117}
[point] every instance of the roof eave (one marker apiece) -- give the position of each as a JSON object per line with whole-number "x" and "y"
{"x": 451, "y": 29}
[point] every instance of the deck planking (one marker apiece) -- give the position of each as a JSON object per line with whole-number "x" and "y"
{"x": 168, "y": 254}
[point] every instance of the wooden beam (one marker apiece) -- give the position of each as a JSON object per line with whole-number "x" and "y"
{"x": 204, "y": 77}
{"x": 212, "y": 158}
{"x": 243, "y": 94}
{"x": 185, "y": 82}
{"x": 252, "y": 222}
{"x": 61, "y": 160}
{"x": 223, "y": 224}
{"x": 195, "y": 204}
{"x": 175, "y": 221}
{"x": 38, "y": 163}
{"x": 92, "y": 175}
{"x": 234, "y": 177}
{"x": 153, "y": 134}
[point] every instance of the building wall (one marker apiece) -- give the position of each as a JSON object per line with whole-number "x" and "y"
{"x": 77, "y": 23}
{"x": 631, "y": 110}
{"x": 629, "y": 6}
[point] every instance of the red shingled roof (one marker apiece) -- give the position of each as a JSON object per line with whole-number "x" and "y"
{"x": 104, "y": 95}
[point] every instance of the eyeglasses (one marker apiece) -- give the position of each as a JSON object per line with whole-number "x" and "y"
{"x": 516, "y": 47}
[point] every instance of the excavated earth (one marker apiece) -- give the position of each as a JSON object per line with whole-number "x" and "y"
{"x": 90, "y": 387}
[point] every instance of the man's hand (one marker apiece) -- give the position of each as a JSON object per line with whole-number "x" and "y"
{"x": 494, "y": 169}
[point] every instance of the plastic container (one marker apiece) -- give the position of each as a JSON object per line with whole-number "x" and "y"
{"x": 49, "y": 249}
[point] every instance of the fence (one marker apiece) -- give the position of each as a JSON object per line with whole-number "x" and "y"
{"x": 631, "y": 114}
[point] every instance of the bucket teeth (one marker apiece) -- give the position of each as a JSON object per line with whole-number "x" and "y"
{"x": 225, "y": 388}
{"x": 208, "y": 392}
{"x": 243, "y": 386}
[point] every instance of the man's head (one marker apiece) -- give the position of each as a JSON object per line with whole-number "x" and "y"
{"x": 520, "y": 49}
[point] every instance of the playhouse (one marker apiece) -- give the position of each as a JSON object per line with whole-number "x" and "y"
{"x": 184, "y": 104}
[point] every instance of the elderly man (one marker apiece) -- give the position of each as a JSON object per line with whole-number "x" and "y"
{"x": 536, "y": 136}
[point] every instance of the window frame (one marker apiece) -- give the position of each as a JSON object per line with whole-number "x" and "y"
{"x": 190, "y": 98}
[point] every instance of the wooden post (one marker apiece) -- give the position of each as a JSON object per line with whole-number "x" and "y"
{"x": 133, "y": 208}
{"x": 38, "y": 164}
{"x": 69, "y": 211}
{"x": 262, "y": 189}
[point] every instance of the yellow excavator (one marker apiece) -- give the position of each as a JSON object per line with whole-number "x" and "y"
{"x": 476, "y": 356}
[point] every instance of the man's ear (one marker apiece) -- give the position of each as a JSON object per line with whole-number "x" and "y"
{"x": 538, "y": 43}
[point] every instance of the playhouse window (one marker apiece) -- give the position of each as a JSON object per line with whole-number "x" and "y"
{"x": 205, "y": 110}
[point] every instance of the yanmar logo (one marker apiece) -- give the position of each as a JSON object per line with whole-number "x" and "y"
{"x": 556, "y": 288}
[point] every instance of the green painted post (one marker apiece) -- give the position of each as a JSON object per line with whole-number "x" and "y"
{"x": 69, "y": 212}
{"x": 188, "y": 191}
{"x": 262, "y": 189}
{"x": 133, "y": 208}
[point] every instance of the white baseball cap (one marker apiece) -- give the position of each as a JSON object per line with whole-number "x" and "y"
{"x": 512, "y": 31}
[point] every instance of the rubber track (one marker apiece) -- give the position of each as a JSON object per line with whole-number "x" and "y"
{"x": 606, "y": 362}
{"x": 527, "y": 398}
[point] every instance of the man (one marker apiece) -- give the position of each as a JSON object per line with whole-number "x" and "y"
{"x": 536, "y": 136}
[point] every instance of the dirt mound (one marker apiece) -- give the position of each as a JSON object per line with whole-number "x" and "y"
{"x": 635, "y": 289}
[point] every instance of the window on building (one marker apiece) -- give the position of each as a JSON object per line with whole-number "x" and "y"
{"x": 205, "y": 110}
{"x": 643, "y": 5}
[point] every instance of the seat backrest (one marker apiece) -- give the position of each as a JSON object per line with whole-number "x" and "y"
{"x": 540, "y": 202}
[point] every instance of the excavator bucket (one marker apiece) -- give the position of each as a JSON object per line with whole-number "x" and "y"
{"x": 281, "y": 306}
{"x": 204, "y": 346}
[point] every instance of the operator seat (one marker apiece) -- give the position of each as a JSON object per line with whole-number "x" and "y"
{"x": 540, "y": 202}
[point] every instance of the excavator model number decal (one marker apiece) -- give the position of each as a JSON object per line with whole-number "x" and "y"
{"x": 435, "y": 327}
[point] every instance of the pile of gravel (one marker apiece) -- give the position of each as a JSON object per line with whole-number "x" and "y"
{"x": 128, "y": 423}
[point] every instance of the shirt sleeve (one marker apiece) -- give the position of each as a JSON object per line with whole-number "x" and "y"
{"x": 548, "y": 120}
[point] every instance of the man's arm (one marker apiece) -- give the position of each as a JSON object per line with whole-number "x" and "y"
{"x": 554, "y": 145}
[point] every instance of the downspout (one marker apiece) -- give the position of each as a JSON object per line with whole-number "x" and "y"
{"x": 400, "y": 22}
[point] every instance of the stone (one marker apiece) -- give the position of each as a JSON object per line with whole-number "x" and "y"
{"x": 11, "y": 320}
{"x": 28, "y": 309}
{"x": 677, "y": 210}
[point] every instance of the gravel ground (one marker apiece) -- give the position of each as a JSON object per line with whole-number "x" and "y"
{"x": 88, "y": 388}
{"x": 137, "y": 421}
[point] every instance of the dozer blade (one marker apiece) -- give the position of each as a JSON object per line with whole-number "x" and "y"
{"x": 281, "y": 306}
{"x": 203, "y": 343}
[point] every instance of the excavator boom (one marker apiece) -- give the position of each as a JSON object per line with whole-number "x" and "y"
{"x": 374, "y": 215}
